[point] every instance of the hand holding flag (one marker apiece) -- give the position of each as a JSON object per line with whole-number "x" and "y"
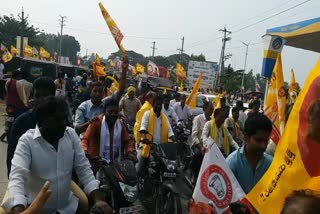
{"x": 116, "y": 33}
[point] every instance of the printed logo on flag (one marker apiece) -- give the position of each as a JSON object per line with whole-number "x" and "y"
{"x": 215, "y": 184}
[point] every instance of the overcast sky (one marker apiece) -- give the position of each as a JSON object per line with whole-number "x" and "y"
{"x": 167, "y": 21}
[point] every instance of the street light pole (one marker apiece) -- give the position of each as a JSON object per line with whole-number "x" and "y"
{"x": 245, "y": 64}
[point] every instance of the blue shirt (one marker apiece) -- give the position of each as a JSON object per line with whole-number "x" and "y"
{"x": 86, "y": 110}
{"x": 242, "y": 170}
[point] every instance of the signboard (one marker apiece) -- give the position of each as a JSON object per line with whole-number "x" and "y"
{"x": 208, "y": 69}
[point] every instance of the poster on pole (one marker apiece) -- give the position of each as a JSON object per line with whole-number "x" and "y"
{"x": 208, "y": 70}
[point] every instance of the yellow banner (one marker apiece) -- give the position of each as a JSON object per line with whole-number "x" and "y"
{"x": 180, "y": 72}
{"x": 275, "y": 104}
{"x": 116, "y": 33}
{"x": 139, "y": 69}
{"x": 44, "y": 53}
{"x": 14, "y": 50}
{"x": 192, "y": 98}
{"x": 5, "y": 54}
{"x": 296, "y": 161}
{"x": 27, "y": 51}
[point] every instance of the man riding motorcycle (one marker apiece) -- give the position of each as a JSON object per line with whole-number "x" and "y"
{"x": 107, "y": 136}
{"x": 157, "y": 125}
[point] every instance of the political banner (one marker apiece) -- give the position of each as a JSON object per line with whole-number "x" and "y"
{"x": 153, "y": 69}
{"x": 296, "y": 162}
{"x": 275, "y": 105}
{"x": 216, "y": 184}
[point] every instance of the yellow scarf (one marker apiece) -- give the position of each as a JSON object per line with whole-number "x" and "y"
{"x": 145, "y": 107}
{"x": 214, "y": 136}
{"x": 236, "y": 126}
{"x": 151, "y": 129}
{"x": 164, "y": 126}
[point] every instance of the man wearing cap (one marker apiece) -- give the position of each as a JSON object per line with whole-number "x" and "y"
{"x": 129, "y": 104}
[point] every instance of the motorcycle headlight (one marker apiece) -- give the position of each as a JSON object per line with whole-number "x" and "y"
{"x": 129, "y": 192}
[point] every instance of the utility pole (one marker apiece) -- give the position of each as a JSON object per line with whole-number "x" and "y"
{"x": 153, "y": 48}
{"x": 181, "y": 50}
{"x": 22, "y": 26}
{"x": 245, "y": 64}
{"x": 222, "y": 56}
{"x": 62, "y": 21}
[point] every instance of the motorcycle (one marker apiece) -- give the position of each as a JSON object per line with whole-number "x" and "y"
{"x": 182, "y": 132}
{"x": 12, "y": 112}
{"x": 161, "y": 173}
{"x": 118, "y": 183}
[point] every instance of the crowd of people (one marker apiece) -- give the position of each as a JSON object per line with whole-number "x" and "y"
{"x": 47, "y": 141}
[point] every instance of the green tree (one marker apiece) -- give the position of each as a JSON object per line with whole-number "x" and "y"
{"x": 10, "y": 28}
{"x": 70, "y": 47}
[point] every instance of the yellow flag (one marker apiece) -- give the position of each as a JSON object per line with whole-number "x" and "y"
{"x": 192, "y": 98}
{"x": 6, "y": 56}
{"x": 296, "y": 162}
{"x": 44, "y": 53}
{"x": 216, "y": 102}
{"x": 181, "y": 86}
{"x": 133, "y": 70}
{"x": 115, "y": 84}
{"x": 180, "y": 72}
{"x": 27, "y": 51}
{"x": 111, "y": 63}
{"x": 139, "y": 68}
{"x": 116, "y": 33}
{"x": 14, "y": 50}
{"x": 293, "y": 84}
{"x": 98, "y": 69}
{"x": 275, "y": 105}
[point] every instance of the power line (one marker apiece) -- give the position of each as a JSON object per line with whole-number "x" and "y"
{"x": 263, "y": 13}
{"x": 206, "y": 41}
{"x": 269, "y": 17}
{"x": 105, "y": 33}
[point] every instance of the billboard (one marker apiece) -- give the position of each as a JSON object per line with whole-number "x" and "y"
{"x": 209, "y": 70}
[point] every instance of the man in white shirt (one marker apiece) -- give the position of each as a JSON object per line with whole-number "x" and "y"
{"x": 242, "y": 115}
{"x": 49, "y": 153}
{"x": 157, "y": 107}
{"x": 182, "y": 110}
{"x": 177, "y": 98}
{"x": 197, "y": 128}
{"x": 221, "y": 137}
{"x": 168, "y": 110}
{"x": 155, "y": 127}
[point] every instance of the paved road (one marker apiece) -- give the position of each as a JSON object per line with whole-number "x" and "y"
{"x": 184, "y": 190}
